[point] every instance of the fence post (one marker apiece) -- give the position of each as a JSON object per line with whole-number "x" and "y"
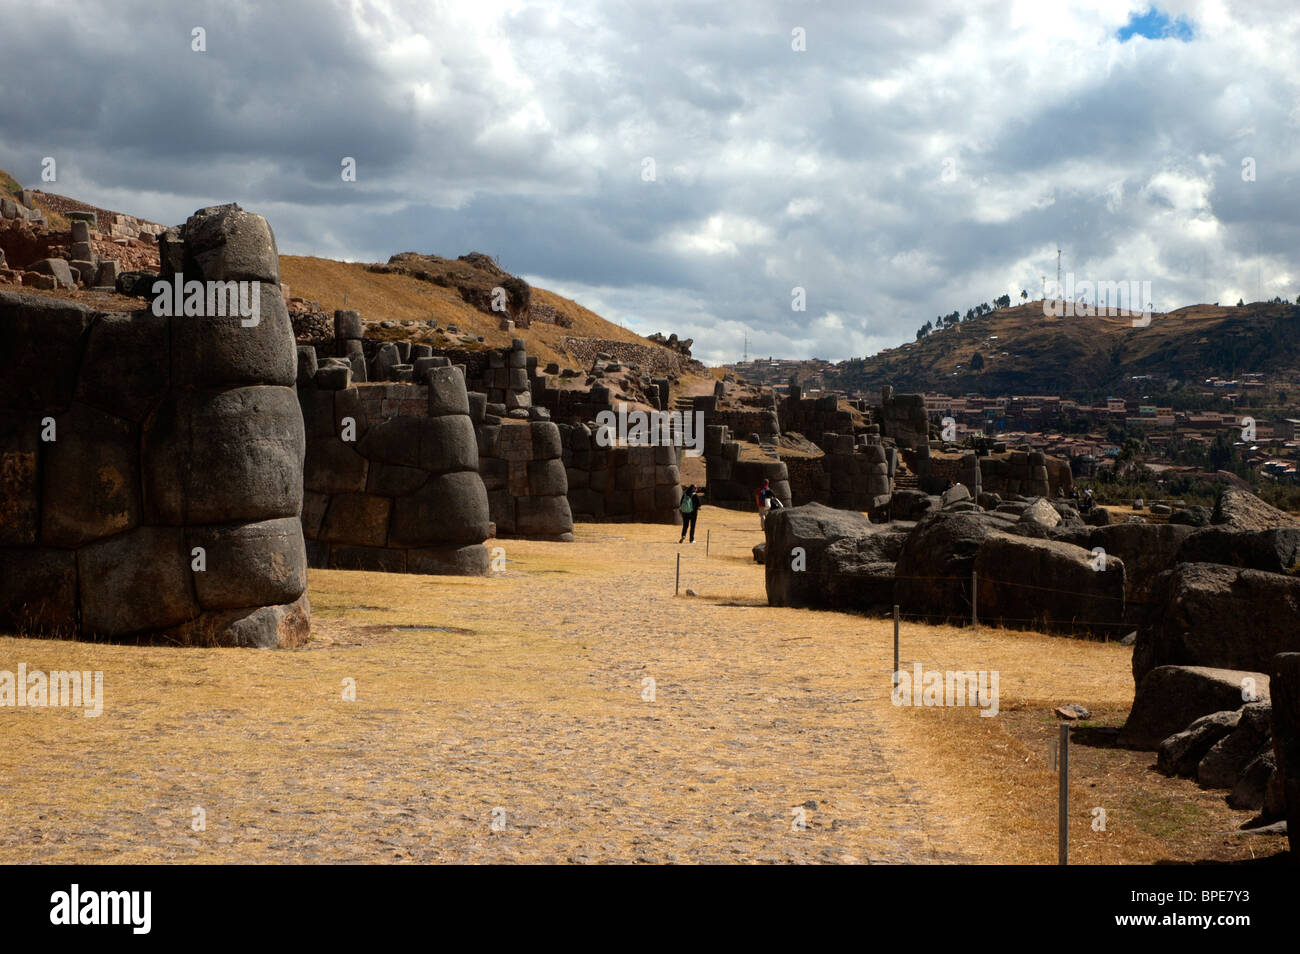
{"x": 974, "y": 598}
{"x": 894, "y": 676}
{"x": 1063, "y": 798}
{"x": 708, "y": 535}
{"x": 677, "y": 587}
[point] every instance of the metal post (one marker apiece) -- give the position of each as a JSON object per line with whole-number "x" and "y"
{"x": 708, "y": 535}
{"x": 1063, "y": 799}
{"x": 677, "y": 587}
{"x": 974, "y": 596}
{"x": 894, "y": 677}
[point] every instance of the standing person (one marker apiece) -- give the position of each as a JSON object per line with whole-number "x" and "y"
{"x": 690, "y": 507}
{"x": 767, "y": 499}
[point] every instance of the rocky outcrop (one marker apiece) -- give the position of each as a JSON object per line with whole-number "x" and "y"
{"x": 1171, "y": 698}
{"x": 1204, "y": 614}
{"x": 1048, "y": 585}
{"x": 818, "y": 556}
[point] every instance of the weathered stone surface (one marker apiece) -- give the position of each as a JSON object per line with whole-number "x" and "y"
{"x": 358, "y": 519}
{"x": 223, "y": 457}
{"x": 1048, "y": 585}
{"x": 1042, "y": 513}
{"x": 1227, "y": 759}
{"x": 547, "y": 478}
{"x": 1250, "y": 792}
{"x": 91, "y": 485}
{"x": 543, "y": 516}
{"x": 934, "y": 567}
{"x": 798, "y": 564}
{"x": 38, "y": 592}
{"x": 286, "y": 626}
{"x": 1276, "y": 550}
{"x": 19, "y": 484}
{"x": 1147, "y": 549}
{"x": 249, "y": 564}
{"x": 447, "y": 394}
{"x": 450, "y": 508}
{"x": 472, "y": 560}
{"x": 546, "y": 441}
{"x": 41, "y": 343}
{"x": 218, "y": 352}
{"x": 912, "y": 505}
{"x": 225, "y": 243}
{"x": 1171, "y": 698}
{"x": 1203, "y": 614}
{"x": 127, "y": 364}
{"x": 348, "y": 324}
{"x": 438, "y": 444}
{"x": 393, "y": 480}
{"x": 1242, "y": 510}
{"x": 135, "y": 582}
{"x": 1182, "y": 752}
{"x": 333, "y": 466}
{"x": 57, "y": 268}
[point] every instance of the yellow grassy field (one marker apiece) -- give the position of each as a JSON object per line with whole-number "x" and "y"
{"x": 523, "y": 699}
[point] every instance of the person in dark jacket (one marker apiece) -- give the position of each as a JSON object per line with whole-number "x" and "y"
{"x": 690, "y": 508}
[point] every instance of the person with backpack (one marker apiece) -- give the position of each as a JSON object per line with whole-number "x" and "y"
{"x": 690, "y": 507}
{"x": 766, "y": 499}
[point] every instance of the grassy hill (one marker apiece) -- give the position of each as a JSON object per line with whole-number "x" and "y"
{"x": 401, "y": 297}
{"x": 1026, "y": 352}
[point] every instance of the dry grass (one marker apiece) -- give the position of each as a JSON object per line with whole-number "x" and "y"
{"x": 401, "y": 297}
{"x": 524, "y": 692}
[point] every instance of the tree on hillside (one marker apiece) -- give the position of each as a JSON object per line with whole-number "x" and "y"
{"x": 1003, "y": 302}
{"x": 977, "y": 362}
{"x": 1024, "y": 295}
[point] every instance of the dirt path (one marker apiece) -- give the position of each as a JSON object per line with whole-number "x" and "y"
{"x": 524, "y": 700}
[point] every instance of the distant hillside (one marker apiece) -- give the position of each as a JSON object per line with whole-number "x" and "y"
{"x": 1026, "y": 352}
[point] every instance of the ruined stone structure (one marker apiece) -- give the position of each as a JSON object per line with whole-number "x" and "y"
{"x": 391, "y": 477}
{"x": 1017, "y": 473}
{"x": 619, "y": 482}
{"x": 522, "y": 466}
{"x": 731, "y": 481}
{"x": 903, "y": 418}
{"x": 151, "y": 467}
{"x": 813, "y": 417}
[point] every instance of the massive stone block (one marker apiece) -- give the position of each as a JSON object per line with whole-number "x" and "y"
{"x": 41, "y": 343}
{"x": 450, "y": 508}
{"x": 136, "y": 582}
{"x": 91, "y": 486}
{"x": 1203, "y": 614}
{"x": 20, "y": 516}
{"x": 218, "y": 457}
{"x": 38, "y": 591}
{"x": 360, "y": 519}
{"x": 127, "y": 365}
{"x": 1170, "y": 698}
{"x": 249, "y": 564}
{"x": 1048, "y": 585}
{"x": 219, "y": 352}
{"x": 225, "y": 243}
{"x": 438, "y": 445}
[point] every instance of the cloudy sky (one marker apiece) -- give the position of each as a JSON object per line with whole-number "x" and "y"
{"x": 684, "y": 166}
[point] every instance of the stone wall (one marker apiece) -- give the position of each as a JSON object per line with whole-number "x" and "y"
{"x": 631, "y": 484}
{"x": 151, "y": 467}
{"x": 522, "y": 466}
{"x": 903, "y": 418}
{"x": 391, "y": 474}
{"x": 813, "y": 417}
{"x": 1023, "y": 473}
{"x": 732, "y": 482}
